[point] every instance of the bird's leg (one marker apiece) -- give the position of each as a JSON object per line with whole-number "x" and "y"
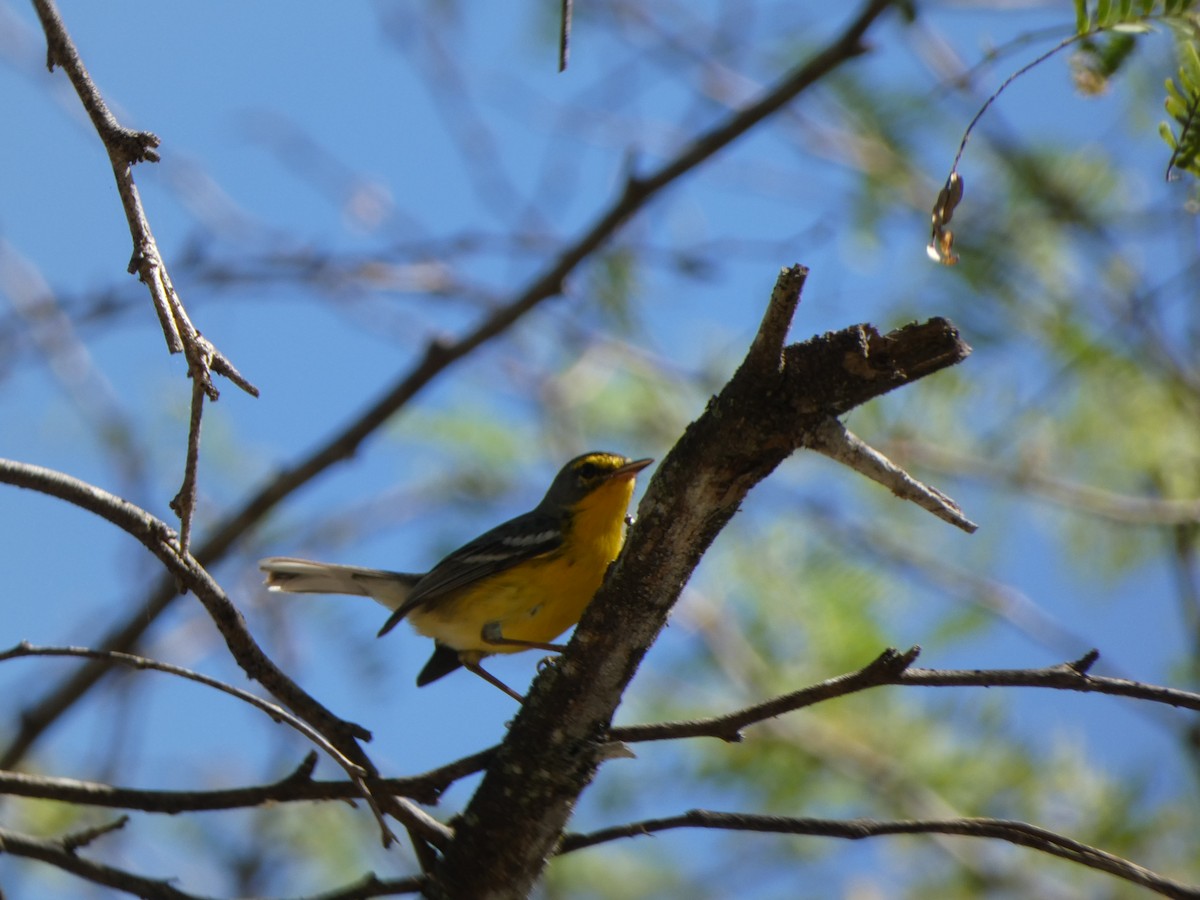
{"x": 491, "y": 634}
{"x": 492, "y": 679}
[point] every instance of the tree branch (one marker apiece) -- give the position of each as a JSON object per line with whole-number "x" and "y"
{"x": 763, "y": 414}
{"x": 61, "y": 854}
{"x": 1124, "y": 509}
{"x": 890, "y": 668}
{"x": 1070, "y": 676}
{"x": 277, "y": 713}
{"x": 884, "y": 669}
{"x": 297, "y": 787}
{"x": 156, "y": 536}
{"x": 1014, "y": 832}
{"x": 126, "y": 147}
{"x": 895, "y": 668}
{"x": 834, "y": 440}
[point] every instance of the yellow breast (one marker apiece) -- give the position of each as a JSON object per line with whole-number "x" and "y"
{"x": 539, "y": 599}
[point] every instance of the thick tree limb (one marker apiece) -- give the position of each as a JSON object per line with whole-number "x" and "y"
{"x": 772, "y": 405}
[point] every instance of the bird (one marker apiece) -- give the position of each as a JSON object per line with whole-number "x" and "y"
{"x": 516, "y": 587}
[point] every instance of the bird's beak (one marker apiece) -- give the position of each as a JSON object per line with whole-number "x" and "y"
{"x": 630, "y": 469}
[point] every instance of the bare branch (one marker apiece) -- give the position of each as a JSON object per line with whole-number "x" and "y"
{"x": 1014, "y": 832}
{"x": 372, "y": 886}
{"x": 184, "y": 503}
{"x": 157, "y": 538}
{"x": 76, "y": 839}
{"x": 760, "y": 417}
{"x": 564, "y": 35}
{"x": 832, "y": 439}
{"x": 883, "y": 670}
{"x": 63, "y": 856}
{"x": 1065, "y": 677}
{"x": 277, "y": 713}
{"x": 296, "y": 787}
{"x": 126, "y": 147}
{"x": 57, "y": 854}
{"x": 895, "y": 668}
{"x": 766, "y": 352}
{"x": 1125, "y": 509}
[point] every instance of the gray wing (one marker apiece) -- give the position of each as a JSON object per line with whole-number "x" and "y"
{"x": 525, "y": 537}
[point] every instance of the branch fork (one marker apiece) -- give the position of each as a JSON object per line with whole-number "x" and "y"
{"x": 126, "y": 147}
{"x": 782, "y": 397}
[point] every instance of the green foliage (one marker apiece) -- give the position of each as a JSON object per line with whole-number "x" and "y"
{"x": 1104, "y": 14}
{"x": 1183, "y": 106}
{"x": 1099, "y": 58}
{"x": 1109, "y": 30}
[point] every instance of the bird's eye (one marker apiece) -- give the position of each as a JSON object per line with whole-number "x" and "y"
{"x": 588, "y": 471}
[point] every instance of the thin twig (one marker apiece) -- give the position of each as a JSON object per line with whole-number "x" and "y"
{"x": 297, "y": 786}
{"x": 276, "y": 712}
{"x": 995, "y": 95}
{"x": 1064, "y": 677}
{"x": 371, "y": 885}
{"x": 184, "y": 503}
{"x": 895, "y": 668}
{"x": 77, "y": 839}
{"x": 564, "y": 35}
{"x": 728, "y": 727}
{"x": 834, "y": 440}
{"x": 55, "y": 853}
{"x": 1125, "y": 509}
{"x": 1014, "y": 832}
{"x": 125, "y": 148}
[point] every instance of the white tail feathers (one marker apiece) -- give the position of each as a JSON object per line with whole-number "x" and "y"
{"x": 302, "y": 576}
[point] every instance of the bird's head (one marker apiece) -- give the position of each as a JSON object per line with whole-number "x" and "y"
{"x": 591, "y": 472}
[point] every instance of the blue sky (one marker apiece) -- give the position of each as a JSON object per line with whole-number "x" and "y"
{"x": 309, "y": 129}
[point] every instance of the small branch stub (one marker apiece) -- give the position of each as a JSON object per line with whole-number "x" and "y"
{"x": 832, "y": 439}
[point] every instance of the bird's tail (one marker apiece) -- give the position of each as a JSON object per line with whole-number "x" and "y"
{"x": 302, "y": 576}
